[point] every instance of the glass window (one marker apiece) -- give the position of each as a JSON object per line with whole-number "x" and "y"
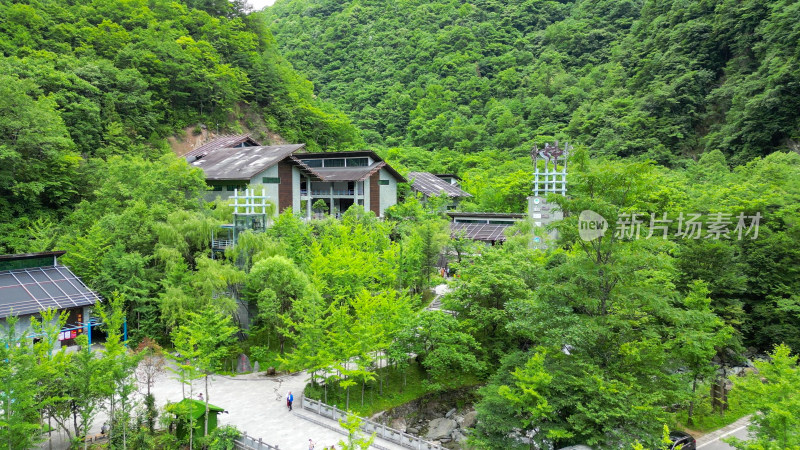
{"x": 357, "y": 162}
{"x": 313, "y": 162}
{"x": 337, "y": 162}
{"x": 216, "y": 187}
{"x": 383, "y": 182}
{"x": 271, "y": 180}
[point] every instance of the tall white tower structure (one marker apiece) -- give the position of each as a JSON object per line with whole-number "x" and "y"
{"x": 549, "y": 177}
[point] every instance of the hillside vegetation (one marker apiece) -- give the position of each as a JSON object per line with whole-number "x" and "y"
{"x": 683, "y": 117}
{"x": 665, "y": 79}
{"x": 82, "y": 83}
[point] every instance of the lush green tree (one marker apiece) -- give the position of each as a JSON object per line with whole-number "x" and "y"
{"x": 482, "y": 291}
{"x": 204, "y": 343}
{"x": 306, "y": 327}
{"x": 444, "y": 349}
{"x": 421, "y": 249}
{"x": 773, "y": 391}
{"x": 274, "y": 285}
{"x": 355, "y": 440}
{"x": 209, "y": 286}
{"x": 602, "y": 314}
{"x": 39, "y": 166}
{"x": 525, "y": 396}
{"x": 72, "y": 385}
{"x": 87, "y": 386}
{"x": 700, "y": 335}
{"x": 752, "y": 278}
{"x": 51, "y": 367}
{"x": 351, "y": 255}
{"x": 20, "y": 427}
{"x": 152, "y": 363}
{"x": 295, "y": 235}
{"x": 118, "y": 364}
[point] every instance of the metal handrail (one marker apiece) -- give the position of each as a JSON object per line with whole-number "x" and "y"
{"x": 381, "y": 430}
{"x": 222, "y": 243}
{"x": 245, "y": 442}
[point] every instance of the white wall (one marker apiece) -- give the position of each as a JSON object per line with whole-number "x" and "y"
{"x": 296, "y": 191}
{"x": 23, "y": 325}
{"x": 388, "y": 192}
{"x": 271, "y": 188}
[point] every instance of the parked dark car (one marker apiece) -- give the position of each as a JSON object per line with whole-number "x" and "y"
{"x": 685, "y": 440}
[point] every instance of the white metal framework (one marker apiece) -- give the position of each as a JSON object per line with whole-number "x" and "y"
{"x": 247, "y": 202}
{"x": 552, "y": 177}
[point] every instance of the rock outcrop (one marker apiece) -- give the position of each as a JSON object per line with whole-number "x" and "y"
{"x": 441, "y": 428}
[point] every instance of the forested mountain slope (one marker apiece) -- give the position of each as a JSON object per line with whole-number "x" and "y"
{"x": 84, "y": 85}
{"x": 665, "y": 79}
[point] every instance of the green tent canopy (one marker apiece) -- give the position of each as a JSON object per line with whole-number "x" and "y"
{"x": 188, "y": 410}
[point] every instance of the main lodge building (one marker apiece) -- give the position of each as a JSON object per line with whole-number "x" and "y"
{"x": 294, "y": 178}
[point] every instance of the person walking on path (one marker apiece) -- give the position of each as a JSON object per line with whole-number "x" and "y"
{"x": 289, "y": 400}
{"x": 310, "y": 444}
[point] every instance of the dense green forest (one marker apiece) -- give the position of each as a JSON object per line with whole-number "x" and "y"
{"x": 664, "y": 79}
{"x": 468, "y": 88}
{"x": 89, "y": 86}
{"x": 673, "y": 108}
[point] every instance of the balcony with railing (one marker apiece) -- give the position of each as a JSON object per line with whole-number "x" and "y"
{"x": 333, "y": 189}
{"x": 221, "y": 244}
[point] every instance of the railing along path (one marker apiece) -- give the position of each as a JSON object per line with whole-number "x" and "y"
{"x": 368, "y": 426}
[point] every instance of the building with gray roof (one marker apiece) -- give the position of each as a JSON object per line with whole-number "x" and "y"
{"x": 34, "y": 282}
{"x": 224, "y": 141}
{"x": 430, "y": 185}
{"x": 294, "y": 178}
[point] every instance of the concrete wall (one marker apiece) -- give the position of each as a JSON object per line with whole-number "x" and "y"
{"x": 23, "y": 324}
{"x": 296, "y": 189}
{"x": 367, "y": 190}
{"x": 271, "y": 188}
{"x": 541, "y": 213}
{"x": 388, "y": 192}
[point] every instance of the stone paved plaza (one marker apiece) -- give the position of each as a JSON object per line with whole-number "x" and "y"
{"x": 252, "y": 407}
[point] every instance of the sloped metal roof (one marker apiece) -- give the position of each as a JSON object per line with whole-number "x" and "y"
{"x": 348, "y": 173}
{"x": 225, "y": 141}
{"x": 352, "y": 154}
{"x": 242, "y": 164}
{"x": 28, "y": 291}
{"x": 479, "y": 231}
{"x": 432, "y": 186}
{"x": 305, "y": 167}
{"x": 487, "y": 215}
{"x": 447, "y": 175}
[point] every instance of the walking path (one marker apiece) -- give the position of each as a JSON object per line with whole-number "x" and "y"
{"x": 711, "y": 441}
{"x": 252, "y": 406}
{"x": 440, "y": 290}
